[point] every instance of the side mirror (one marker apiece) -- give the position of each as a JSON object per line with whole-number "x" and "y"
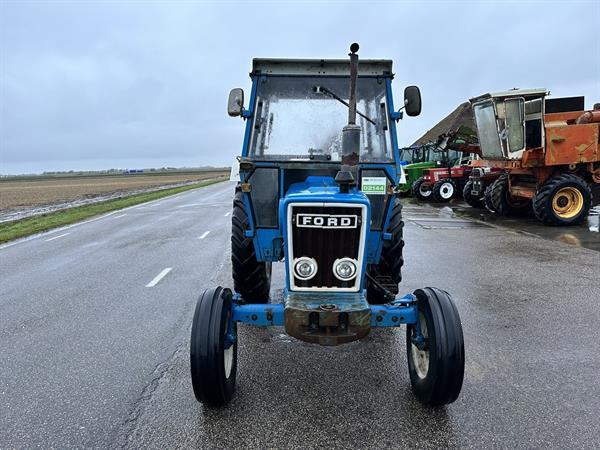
{"x": 235, "y": 104}
{"x": 412, "y": 101}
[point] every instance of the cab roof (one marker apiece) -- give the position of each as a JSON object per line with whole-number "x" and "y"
{"x": 322, "y": 67}
{"x": 526, "y": 93}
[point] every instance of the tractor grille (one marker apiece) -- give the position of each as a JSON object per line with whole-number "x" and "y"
{"x": 326, "y": 233}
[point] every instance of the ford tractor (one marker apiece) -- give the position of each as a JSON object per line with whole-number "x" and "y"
{"x": 317, "y": 176}
{"x": 549, "y": 150}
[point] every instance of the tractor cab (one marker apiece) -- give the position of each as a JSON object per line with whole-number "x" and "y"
{"x": 299, "y": 119}
{"x": 509, "y": 122}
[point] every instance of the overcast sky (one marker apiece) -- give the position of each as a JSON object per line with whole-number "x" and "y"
{"x": 95, "y": 85}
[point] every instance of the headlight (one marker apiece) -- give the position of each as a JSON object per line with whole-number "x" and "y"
{"x": 305, "y": 268}
{"x": 344, "y": 269}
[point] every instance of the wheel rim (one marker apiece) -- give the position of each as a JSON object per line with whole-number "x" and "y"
{"x": 567, "y": 202}
{"x": 228, "y": 353}
{"x": 424, "y": 191}
{"x": 446, "y": 191}
{"x": 421, "y": 357}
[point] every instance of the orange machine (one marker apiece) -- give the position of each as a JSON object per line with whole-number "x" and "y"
{"x": 548, "y": 148}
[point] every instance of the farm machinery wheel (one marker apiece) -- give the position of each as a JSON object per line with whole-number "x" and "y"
{"x": 504, "y": 203}
{"x": 487, "y": 199}
{"x": 436, "y": 362}
{"x": 388, "y": 272}
{"x": 251, "y": 278}
{"x": 444, "y": 190}
{"x": 475, "y": 202}
{"x": 420, "y": 191}
{"x": 213, "y": 348}
{"x": 562, "y": 200}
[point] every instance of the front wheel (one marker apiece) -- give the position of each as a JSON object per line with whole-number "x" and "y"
{"x": 472, "y": 200}
{"x": 436, "y": 363}
{"x": 420, "y": 190}
{"x": 565, "y": 199}
{"x": 213, "y": 348}
{"x": 444, "y": 190}
{"x": 488, "y": 201}
{"x": 504, "y": 202}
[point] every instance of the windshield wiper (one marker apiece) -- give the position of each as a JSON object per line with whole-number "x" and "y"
{"x": 322, "y": 90}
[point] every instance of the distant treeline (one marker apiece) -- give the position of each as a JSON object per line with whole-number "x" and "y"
{"x": 152, "y": 170}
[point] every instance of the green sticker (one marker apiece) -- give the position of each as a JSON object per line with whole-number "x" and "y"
{"x": 374, "y": 185}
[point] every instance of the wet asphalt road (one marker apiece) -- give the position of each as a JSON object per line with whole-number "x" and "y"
{"x": 92, "y": 357}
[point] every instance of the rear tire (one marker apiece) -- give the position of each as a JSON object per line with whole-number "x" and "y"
{"x": 437, "y": 371}
{"x": 563, "y": 200}
{"x": 388, "y": 271}
{"x": 504, "y": 202}
{"x": 444, "y": 190}
{"x": 213, "y": 357}
{"x": 251, "y": 278}
{"x": 475, "y": 202}
{"x": 420, "y": 191}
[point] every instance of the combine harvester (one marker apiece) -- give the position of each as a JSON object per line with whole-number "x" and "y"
{"x": 548, "y": 149}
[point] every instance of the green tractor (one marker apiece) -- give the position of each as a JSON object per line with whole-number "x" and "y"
{"x": 419, "y": 158}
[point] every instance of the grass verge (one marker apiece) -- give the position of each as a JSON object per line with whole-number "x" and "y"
{"x": 30, "y": 225}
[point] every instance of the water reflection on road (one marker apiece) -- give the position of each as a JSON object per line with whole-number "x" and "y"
{"x": 585, "y": 235}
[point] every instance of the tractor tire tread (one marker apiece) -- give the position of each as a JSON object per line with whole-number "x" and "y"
{"x": 542, "y": 200}
{"x": 250, "y": 276}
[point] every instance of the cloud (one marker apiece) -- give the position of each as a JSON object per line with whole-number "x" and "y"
{"x": 99, "y": 85}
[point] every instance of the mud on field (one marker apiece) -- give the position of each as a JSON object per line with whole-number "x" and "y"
{"x": 24, "y": 198}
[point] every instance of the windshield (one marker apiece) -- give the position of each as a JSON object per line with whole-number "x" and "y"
{"x": 297, "y": 118}
{"x": 417, "y": 155}
{"x": 487, "y": 131}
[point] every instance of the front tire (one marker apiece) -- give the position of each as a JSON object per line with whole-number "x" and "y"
{"x": 213, "y": 348}
{"x": 563, "y": 200}
{"x": 475, "y": 202}
{"x": 488, "y": 200}
{"x": 504, "y": 202}
{"x": 251, "y": 277}
{"x": 420, "y": 190}
{"x": 388, "y": 272}
{"x": 444, "y": 190}
{"x": 437, "y": 369}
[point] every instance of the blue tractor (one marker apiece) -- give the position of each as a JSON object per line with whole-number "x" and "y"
{"x": 317, "y": 190}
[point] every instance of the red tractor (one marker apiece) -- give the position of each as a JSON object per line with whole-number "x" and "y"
{"x": 442, "y": 183}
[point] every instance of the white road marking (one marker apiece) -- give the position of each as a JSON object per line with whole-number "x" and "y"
{"x": 56, "y": 237}
{"x": 227, "y": 213}
{"x": 159, "y": 277}
{"x": 118, "y": 217}
{"x": 206, "y": 233}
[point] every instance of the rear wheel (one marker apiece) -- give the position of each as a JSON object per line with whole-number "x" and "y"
{"x": 475, "y": 202}
{"x": 504, "y": 202}
{"x": 213, "y": 348}
{"x": 563, "y": 200}
{"x": 420, "y": 190}
{"x": 388, "y": 272}
{"x": 444, "y": 190}
{"x": 251, "y": 278}
{"x": 436, "y": 365}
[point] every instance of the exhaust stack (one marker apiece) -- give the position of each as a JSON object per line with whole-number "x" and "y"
{"x": 351, "y": 133}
